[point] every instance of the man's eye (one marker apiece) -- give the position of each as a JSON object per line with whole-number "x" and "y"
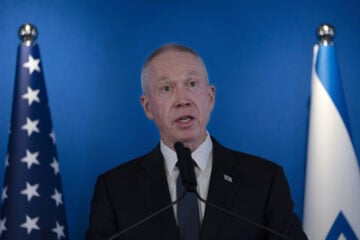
{"x": 193, "y": 84}
{"x": 166, "y": 88}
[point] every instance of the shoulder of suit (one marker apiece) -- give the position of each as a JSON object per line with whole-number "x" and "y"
{"x": 130, "y": 166}
{"x": 243, "y": 158}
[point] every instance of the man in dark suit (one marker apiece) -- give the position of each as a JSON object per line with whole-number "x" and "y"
{"x": 179, "y": 98}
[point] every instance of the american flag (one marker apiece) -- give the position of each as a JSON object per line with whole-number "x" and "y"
{"x": 32, "y": 203}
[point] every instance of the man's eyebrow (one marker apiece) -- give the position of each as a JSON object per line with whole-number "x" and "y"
{"x": 164, "y": 78}
{"x": 187, "y": 75}
{"x": 192, "y": 73}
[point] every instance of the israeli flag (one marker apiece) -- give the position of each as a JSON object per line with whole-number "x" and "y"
{"x": 332, "y": 191}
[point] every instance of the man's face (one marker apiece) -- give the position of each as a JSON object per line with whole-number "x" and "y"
{"x": 178, "y": 98}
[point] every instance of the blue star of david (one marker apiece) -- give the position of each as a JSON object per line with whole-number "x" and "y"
{"x": 341, "y": 226}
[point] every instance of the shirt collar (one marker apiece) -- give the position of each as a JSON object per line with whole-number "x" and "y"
{"x": 201, "y": 155}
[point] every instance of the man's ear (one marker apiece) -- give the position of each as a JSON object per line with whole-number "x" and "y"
{"x": 146, "y": 106}
{"x": 212, "y": 95}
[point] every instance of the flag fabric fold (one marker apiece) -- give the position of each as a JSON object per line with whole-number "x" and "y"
{"x": 332, "y": 190}
{"x": 32, "y": 203}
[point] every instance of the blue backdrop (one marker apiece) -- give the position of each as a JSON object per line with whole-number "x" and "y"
{"x": 258, "y": 54}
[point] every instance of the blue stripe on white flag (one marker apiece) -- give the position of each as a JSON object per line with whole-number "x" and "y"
{"x": 328, "y": 72}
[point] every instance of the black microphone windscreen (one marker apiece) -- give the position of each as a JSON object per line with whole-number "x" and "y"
{"x": 179, "y": 146}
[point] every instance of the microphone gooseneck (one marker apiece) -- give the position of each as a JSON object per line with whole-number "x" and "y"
{"x": 154, "y": 214}
{"x": 241, "y": 218}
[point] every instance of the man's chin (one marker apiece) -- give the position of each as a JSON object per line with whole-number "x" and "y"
{"x": 186, "y": 138}
{"x": 189, "y": 141}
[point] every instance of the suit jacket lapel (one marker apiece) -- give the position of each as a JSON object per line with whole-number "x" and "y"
{"x": 153, "y": 182}
{"x": 224, "y": 183}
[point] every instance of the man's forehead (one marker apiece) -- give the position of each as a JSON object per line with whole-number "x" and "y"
{"x": 173, "y": 62}
{"x": 187, "y": 75}
{"x": 173, "y": 55}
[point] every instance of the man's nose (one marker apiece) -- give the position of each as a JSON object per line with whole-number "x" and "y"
{"x": 182, "y": 97}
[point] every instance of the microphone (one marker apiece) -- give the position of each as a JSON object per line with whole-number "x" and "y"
{"x": 186, "y": 167}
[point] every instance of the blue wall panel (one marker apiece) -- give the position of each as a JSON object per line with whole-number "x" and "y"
{"x": 258, "y": 53}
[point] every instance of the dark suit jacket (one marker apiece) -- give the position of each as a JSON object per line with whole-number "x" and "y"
{"x": 258, "y": 191}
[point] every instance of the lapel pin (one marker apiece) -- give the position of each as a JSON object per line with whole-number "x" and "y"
{"x": 228, "y": 178}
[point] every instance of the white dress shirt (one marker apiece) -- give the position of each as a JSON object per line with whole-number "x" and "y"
{"x": 203, "y": 158}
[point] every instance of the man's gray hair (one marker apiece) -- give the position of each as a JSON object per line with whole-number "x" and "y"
{"x": 165, "y": 48}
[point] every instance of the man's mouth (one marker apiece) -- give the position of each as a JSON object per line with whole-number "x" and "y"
{"x": 184, "y": 119}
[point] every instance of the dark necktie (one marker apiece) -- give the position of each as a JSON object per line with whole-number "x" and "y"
{"x": 188, "y": 213}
